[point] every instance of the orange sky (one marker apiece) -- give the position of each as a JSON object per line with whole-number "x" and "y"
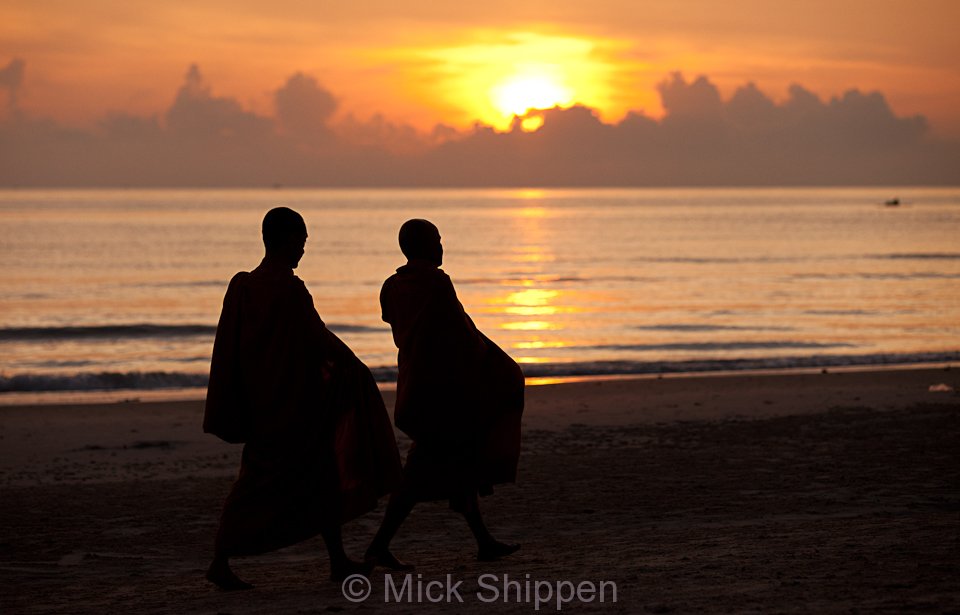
{"x": 426, "y": 62}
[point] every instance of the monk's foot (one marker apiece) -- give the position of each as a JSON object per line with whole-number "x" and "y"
{"x": 385, "y": 559}
{"x": 494, "y": 550}
{"x": 223, "y": 577}
{"x": 349, "y": 567}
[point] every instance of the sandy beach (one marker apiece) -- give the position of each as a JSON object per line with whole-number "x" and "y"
{"x": 818, "y": 492}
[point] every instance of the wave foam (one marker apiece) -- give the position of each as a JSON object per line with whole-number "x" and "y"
{"x": 108, "y": 381}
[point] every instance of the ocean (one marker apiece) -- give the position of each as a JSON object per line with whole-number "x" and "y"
{"x": 118, "y": 291}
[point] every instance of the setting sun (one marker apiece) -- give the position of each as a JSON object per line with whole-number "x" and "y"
{"x": 522, "y": 93}
{"x": 495, "y": 76}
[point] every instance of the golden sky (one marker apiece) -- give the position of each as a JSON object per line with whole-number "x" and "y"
{"x": 426, "y": 62}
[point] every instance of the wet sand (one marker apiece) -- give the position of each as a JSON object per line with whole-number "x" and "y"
{"x": 829, "y": 492}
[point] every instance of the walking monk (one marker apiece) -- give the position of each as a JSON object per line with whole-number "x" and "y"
{"x": 319, "y": 446}
{"x": 459, "y": 398}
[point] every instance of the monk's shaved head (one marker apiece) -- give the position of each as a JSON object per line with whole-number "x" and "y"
{"x": 420, "y": 239}
{"x": 280, "y": 225}
{"x": 284, "y": 236}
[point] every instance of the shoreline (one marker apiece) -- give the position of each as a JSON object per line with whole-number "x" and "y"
{"x": 193, "y": 394}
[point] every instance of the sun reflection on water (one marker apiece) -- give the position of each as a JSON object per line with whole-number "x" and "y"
{"x": 530, "y": 325}
{"x": 545, "y": 310}
{"x": 537, "y": 344}
{"x": 531, "y": 301}
{"x": 533, "y": 360}
{"x": 532, "y": 297}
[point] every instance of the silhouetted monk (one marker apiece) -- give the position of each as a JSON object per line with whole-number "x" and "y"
{"x": 459, "y": 398}
{"x": 319, "y": 446}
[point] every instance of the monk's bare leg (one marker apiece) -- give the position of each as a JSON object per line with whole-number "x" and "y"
{"x": 488, "y": 547}
{"x": 341, "y": 566}
{"x": 220, "y": 574}
{"x": 398, "y": 509}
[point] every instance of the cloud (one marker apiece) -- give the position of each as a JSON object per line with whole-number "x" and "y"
{"x": 304, "y": 108}
{"x": 11, "y": 77}
{"x": 749, "y": 139}
{"x": 749, "y": 108}
{"x": 699, "y": 100}
{"x": 198, "y": 115}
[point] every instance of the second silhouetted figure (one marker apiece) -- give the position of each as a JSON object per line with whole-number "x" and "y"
{"x": 459, "y": 397}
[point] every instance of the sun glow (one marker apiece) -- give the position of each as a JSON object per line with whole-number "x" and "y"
{"x": 522, "y": 93}
{"x": 499, "y": 76}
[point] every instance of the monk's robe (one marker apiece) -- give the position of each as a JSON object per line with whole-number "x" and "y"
{"x": 459, "y": 396}
{"x": 319, "y": 445}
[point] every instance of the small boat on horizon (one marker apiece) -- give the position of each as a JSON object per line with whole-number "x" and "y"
{"x": 894, "y": 202}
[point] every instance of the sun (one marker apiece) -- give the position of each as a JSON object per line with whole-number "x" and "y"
{"x": 495, "y": 77}
{"x": 519, "y": 94}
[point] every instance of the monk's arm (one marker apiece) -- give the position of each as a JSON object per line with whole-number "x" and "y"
{"x": 461, "y": 325}
{"x": 225, "y": 414}
{"x": 332, "y": 347}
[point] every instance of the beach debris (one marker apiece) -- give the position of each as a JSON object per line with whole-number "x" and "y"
{"x": 940, "y": 388}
